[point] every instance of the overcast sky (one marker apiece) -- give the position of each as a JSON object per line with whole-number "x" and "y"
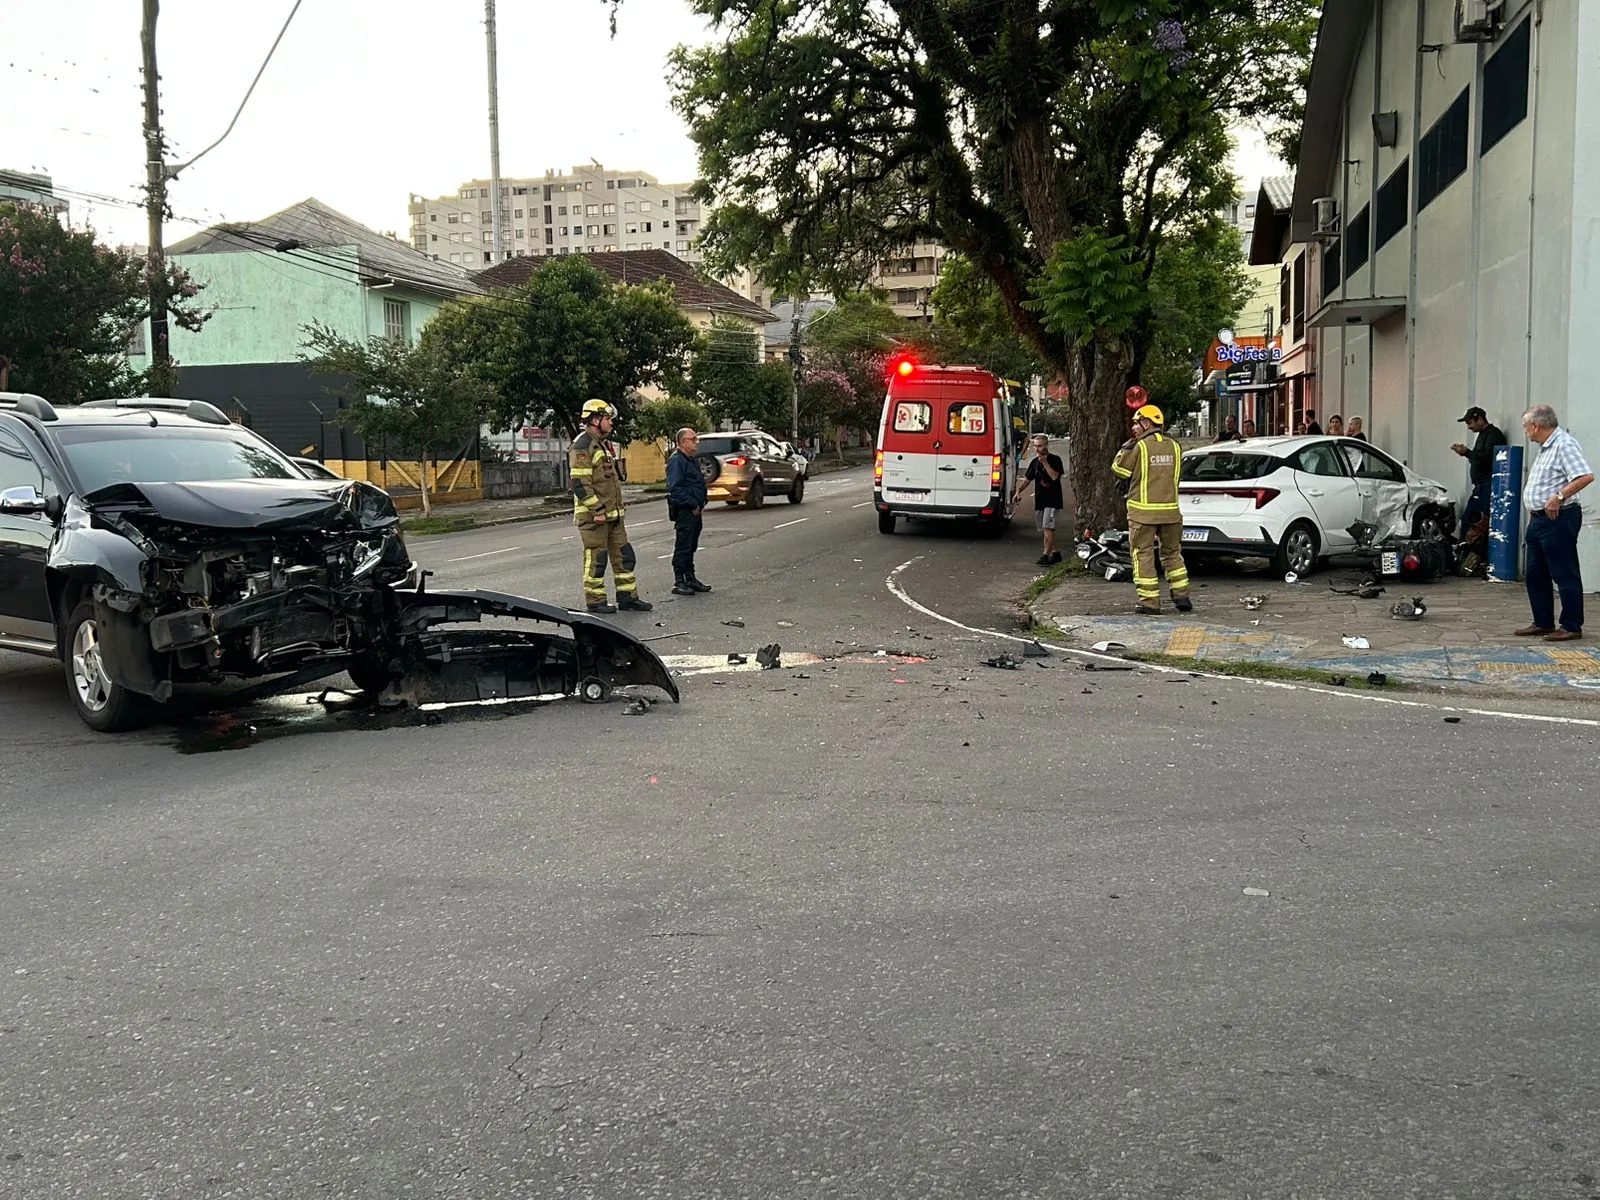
{"x": 356, "y": 108}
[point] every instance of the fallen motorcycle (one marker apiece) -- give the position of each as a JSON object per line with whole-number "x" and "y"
{"x": 1107, "y": 553}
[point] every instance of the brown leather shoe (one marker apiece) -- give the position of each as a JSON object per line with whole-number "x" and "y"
{"x": 1534, "y": 631}
{"x": 1564, "y": 635}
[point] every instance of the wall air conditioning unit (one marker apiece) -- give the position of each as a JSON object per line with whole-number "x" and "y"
{"x": 1479, "y": 20}
{"x": 1325, "y": 218}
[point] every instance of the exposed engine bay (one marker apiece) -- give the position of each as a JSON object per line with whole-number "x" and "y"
{"x": 285, "y": 582}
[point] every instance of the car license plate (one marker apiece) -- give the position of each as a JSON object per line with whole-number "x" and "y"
{"x": 1196, "y": 535}
{"x": 1389, "y": 562}
{"x": 907, "y": 494}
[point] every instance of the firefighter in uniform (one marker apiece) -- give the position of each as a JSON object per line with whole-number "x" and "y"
{"x": 1150, "y": 463}
{"x": 597, "y": 512}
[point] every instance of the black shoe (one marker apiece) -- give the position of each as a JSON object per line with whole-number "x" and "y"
{"x": 1144, "y": 610}
{"x": 682, "y": 588}
{"x": 1183, "y": 604}
{"x": 602, "y": 608}
{"x": 630, "y": 602}
{"x": 1055, "y": 557}
{"x": 1043, "y": 560}
{"x": 698, "y": 586}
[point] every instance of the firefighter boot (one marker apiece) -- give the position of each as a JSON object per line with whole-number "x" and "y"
{"x": 630, "y": 602}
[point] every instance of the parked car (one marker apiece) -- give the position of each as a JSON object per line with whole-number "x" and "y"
{"x": 746, "y": 466}
{"x": 151, "y": 544}
{"x": 1294, "y": 499}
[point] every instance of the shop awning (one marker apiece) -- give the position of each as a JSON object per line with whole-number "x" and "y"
{"x": 1357, "y": 312}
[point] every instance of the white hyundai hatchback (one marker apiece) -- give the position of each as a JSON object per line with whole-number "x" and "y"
{"x": 1293, "y": 499}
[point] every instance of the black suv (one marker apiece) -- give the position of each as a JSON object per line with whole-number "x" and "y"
{"x": 150, "y": 544}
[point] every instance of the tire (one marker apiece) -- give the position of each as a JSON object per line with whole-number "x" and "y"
{"x": 594, "y": 691}
{"x": 798, "y": 492}
{"x": 370, "y": 674}
{"x": 757, "y": 496}
{"x": 1434, "y": 525}
{"x": 102, "y": 705}
{"x": 885, "y": 522}
{"x": 1299, "y": 550}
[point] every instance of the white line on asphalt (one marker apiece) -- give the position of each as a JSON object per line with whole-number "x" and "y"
{"x": 642, "y": 524}
{"x": 659, "y": 557}
{"x": 863, "y": 504}
{"x": 569, "y": 537}
{"x": 899, "y": 593}
{"x": 786, "y": 524}
{"x": 485, "y": 554}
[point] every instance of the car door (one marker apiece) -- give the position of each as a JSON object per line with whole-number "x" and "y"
{"x": 1385, "y": 497}
{"x": 966, "y": 452}
{"x": 24, "y": 542}
{"x": 776, "y": 467}
{"x": 1329, "y": 486}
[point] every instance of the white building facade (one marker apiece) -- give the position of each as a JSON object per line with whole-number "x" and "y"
{"x": 1449, "y": 197}
{"x": 589, "y": 209}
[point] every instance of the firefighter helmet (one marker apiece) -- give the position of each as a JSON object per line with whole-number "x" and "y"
{"x": 1150, "y": 413}
{"x": 594, "y": 410}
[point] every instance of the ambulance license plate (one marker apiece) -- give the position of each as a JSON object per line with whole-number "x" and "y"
{"x": 1389, "y": 562}
{"x": 906, "y": 494}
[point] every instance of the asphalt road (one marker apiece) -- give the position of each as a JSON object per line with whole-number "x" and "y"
{"x": 866, "y": 927}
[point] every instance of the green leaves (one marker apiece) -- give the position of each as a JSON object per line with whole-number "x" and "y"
{"x": 1092, "y": 286}
{"x": 729, "y": 378}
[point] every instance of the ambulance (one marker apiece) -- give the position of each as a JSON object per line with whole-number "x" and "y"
{"x": 944, "y": 447}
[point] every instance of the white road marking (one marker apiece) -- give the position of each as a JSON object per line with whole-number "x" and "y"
{"x": 659, "y": 557}
{"x": 863, "y": 504}
{"x": 485, "y": 554}
{"x": 569, "y": 537}
{"x": 899, "y": 593}
{"x": 786, "y": 524}
{"x": 642, "y": 524}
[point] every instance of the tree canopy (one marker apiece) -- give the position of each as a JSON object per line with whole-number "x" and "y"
{"x": 730, "y": 379}
{"x": 564, "y": 336}
{"x": 68, "y": 307}
{"x": 1059, "y": 146}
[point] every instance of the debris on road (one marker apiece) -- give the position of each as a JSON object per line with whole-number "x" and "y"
{"x": 767, "y": 656}
{"x": 1409, "y": 610}
{"x": 1452, "y": 720}
{"x": 737, "y": 660}
{"x": 1357, "y": 643}
{"x": 1252, "y": 602}
{"x": 1338, "y": 681}
{"x": 1034, "y": 650}
{"x": 1089, "y": 666}
{"x": 1256, "y": 892}
{"x": 736, "y": 622}
{"x": 1108, "y": 647}
{"x": 637, "y": 707}
{"x": 1377, "y": 679}
{"x": 1004, "y": 662}
{"x": 785, "y": 624}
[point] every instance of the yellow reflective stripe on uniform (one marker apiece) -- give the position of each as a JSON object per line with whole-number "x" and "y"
{"x": 1120, "y": 471}
{"x": 615, "y": 512}
{"x": 598, "y": 456}
{"x": 577, "y": 471}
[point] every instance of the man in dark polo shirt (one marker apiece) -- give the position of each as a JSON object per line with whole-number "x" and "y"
{"x": 1045, "y": 470}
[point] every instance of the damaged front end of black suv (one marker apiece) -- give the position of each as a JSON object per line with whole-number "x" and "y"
{"x": 284, "y": 582}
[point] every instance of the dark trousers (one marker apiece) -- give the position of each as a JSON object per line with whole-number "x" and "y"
{"x": 1553, "y": 559}
{"x": 687, "y": 523}
{"x": 1477, "y": 505}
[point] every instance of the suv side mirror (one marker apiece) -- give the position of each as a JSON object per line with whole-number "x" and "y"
{"x": 23, "y": 501}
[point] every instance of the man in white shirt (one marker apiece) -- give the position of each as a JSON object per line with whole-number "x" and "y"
{"x": 1559, "y": 474}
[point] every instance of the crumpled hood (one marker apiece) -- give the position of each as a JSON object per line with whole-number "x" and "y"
{"x": 264, "y": 504}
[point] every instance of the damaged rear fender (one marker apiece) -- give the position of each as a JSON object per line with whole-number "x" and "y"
{"x": 492, "y": 664}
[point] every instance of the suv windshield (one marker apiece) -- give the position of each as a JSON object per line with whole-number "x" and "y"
{"x": 101, "y": 456}
{"x": 710, "y": 444}
{"x": 1226, "y": 466}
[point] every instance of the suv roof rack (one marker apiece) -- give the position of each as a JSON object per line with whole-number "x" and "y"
{"x": 28, "y": 404}
{"x": 197, "y": 410}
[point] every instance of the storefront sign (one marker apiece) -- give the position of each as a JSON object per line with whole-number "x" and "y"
{"x": 1242, "y": 351}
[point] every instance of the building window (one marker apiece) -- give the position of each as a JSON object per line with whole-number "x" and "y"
{"x": 453, "y": 219}
{"x": 487, "y": 235}
{"x": 1357, "y": 241}
{"x": 1442, "y": 154}
{"x": 548, "y": 236}
{"x": 666, "y": 245}
{"x": 563, "y": 249}
{"x": 1249, "y": 212}
{"x": 632, "y": 227}
{"x": 517, "y": 214}
{"x": 592, "y": 210}
{"x": 521, "y": 233}
{"x": 644, "y": 206}
{"x": 1283, "y": 294}
{"x": 629, "y": 206}
{"x": 608, "y": 230}
{"x": 611, "y": 185}
{"x": 632, "y": 245}
{"x": 647, "y": 226}
{"x": 1394, "y": 202}
{"x": 466, "y": 218}
{"x": 561, "y": 210}
{"x": 547, "y": 214}
{"x": 1505, "y": 88}
{"x": 608, "y": 210}
{"x": 1297, "y": 300}
{"x": 397, "y": 320}
{"x": 433, "y": 216}
{"x": 433, "y": 237}
{"x": 594, "y": 231}
{"x": 1330, "y": 278}
{"x": 486, "y": 217}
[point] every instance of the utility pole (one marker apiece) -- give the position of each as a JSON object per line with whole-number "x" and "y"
{"x": 494, "y": 134}
{"x": 163, "y": 379}
{"x": 797, "y": 360}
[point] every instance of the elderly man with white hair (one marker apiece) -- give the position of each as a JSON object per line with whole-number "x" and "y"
{"x": 1559, "y": 474}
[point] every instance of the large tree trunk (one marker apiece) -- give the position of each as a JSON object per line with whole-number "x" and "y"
{"x": 1098, "y": 425}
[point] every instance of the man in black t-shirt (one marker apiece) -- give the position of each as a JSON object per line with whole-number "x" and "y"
{"x": 1045, "y": 471}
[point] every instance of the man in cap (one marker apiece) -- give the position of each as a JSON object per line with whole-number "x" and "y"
{"x": 1480, "y": 460}
{"x": 1150, "y": 464}
{"x": 597, "y": 511}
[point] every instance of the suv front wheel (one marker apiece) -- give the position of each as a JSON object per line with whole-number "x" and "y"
{"x": 103, "y": 704}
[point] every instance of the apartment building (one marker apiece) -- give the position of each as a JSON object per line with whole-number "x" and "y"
{"x": 909, "y": 278}
{"x": 25, "y": 187}
{"x": 590, "y": 209}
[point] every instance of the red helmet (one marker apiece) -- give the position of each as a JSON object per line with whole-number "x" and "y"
{"x": 1136, "y": 397}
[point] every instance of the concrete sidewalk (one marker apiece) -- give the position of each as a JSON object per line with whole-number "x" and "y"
{"x": 1466, "y": 637}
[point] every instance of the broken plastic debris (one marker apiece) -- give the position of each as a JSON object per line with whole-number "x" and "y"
{"x": 1034, "y": 650}
{"x": 1452, "y": 720}
{"x": 737, "y": 660}
{"x": 767, "y": 656}
{"x": 1409, "y": 610}
{"x": 636, "y": 708}
{"x": 880, "y": 654}
{"x": 1357, "y": 643}
{"x": 1108, "y": 647}
{"x": 1291, "y": 577}
{"x": 736, "y": 622}
{"x": 785, "y": 624}
{"x": 1252, "y": 602}
{"x": 1257, "y": 892}
{"x": 1003, "y": 661}
{"x": 1377, "y": 679}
